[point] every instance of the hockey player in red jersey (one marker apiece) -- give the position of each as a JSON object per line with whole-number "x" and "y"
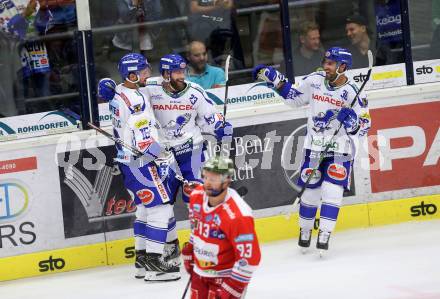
{"x": 223, "y": 250}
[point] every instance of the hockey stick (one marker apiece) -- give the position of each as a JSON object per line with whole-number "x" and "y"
{"x": 225, "y": 103}
{"x": 228, "y": 60}
{"x": 187, "y": 287}
{"x": 326, "y": 149}
{"x": 134, "y": 150}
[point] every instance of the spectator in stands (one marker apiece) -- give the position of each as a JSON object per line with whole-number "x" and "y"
{"x": 308, "y": 55}
{"x": 132, "y": 11}
{"x": 199, "y": 70}
{"x": 357, "y": 33}
{"x": 213, "y": 22}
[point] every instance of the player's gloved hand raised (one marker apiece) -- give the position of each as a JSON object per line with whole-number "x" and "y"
{"x": 230, "y": 289}
{"x": 223, "y": 131}
{"x": 188, "y": 257}
{"x": 268, "y": 74}
{"x": 349, "y": 119}
{"x": 106, "y": 89}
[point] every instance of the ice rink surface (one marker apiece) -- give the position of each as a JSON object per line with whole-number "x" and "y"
{"x": 394, "y": 262}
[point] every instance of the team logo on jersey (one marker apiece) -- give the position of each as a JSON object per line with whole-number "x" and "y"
{"x": 337, "y": 172}
{"x": 174, "y": 127}
{"x": 306, "y": 172}
{"x": 146, "y": 196}
{"x": 208, "y": 218}
{"x": 321, "y": 122}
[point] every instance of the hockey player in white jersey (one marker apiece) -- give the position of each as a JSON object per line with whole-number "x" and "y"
{"x": 184, "y": 111}
{"x": 329, "y": 94}
{"x": 148, "y": 179}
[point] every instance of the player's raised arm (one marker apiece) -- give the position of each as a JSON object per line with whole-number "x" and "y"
{"x": 293, "y": 95}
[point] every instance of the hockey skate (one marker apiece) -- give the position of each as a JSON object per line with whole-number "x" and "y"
{"x": 140, "y": 264}
{"x": 172, "y": 253}
{"x": 322, "y": 242}
{"x": 304, "y": 239}
{"x": 157, "y": 269}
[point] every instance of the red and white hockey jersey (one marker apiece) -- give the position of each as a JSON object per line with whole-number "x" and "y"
{"x": 224, "y": 238}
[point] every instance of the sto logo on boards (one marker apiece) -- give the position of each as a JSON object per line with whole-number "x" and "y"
{"x": 423, "y": 209}
{"x": 51, "y": 264}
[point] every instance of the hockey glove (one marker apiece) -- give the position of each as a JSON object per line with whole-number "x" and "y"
{"x": 223, "y": 131}
{"x": 106, "y": 89}
{"x": 349, "y": 119}
{"x": 17, "y": 26}
{"x": 230, "y": 289}
{"x": 188, "y": 257}
{"x": 268, "y": 74}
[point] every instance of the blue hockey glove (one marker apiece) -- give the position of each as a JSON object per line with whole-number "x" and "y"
{"x": 349, "y": 119}
{"x": 17, "y": 26}
{"x": 223, "y": 131}
{"x": 268, "y": 74}
{"x": 106, "y": 89}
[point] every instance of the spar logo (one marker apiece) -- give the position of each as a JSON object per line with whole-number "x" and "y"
{"x": 258, "y": 93}
{"x": 14, "y": 199}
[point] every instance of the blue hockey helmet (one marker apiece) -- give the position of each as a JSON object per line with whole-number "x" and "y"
{"x": 132, "y": 63}
{"x": 172, "y": 62}
{"x": 340, "y": 55}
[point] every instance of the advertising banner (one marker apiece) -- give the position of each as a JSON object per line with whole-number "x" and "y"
{"x": 38, "y": 124}
{"x": 93, "y": 196}
{"x": 30, "y": 207}
{"x": 407, "y": 147}
{"x": 426, "y": 71}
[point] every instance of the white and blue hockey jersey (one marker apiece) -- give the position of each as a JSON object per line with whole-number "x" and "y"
{"x": 181, "y": 116}
{"x": 325, "y": 100}
{"x": 134, "y": 122}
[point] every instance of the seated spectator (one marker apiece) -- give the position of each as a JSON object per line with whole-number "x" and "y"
{"x": 357, "y": 33}
{"x": 199, "y": 70}
{"x": 308, "y": 55}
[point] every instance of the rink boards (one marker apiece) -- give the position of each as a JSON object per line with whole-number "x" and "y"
{"x": 63, "y": 206}
{"x": 268, "y": 229}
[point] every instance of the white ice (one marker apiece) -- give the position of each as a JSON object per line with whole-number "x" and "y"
{"x": 394, "y": 262}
